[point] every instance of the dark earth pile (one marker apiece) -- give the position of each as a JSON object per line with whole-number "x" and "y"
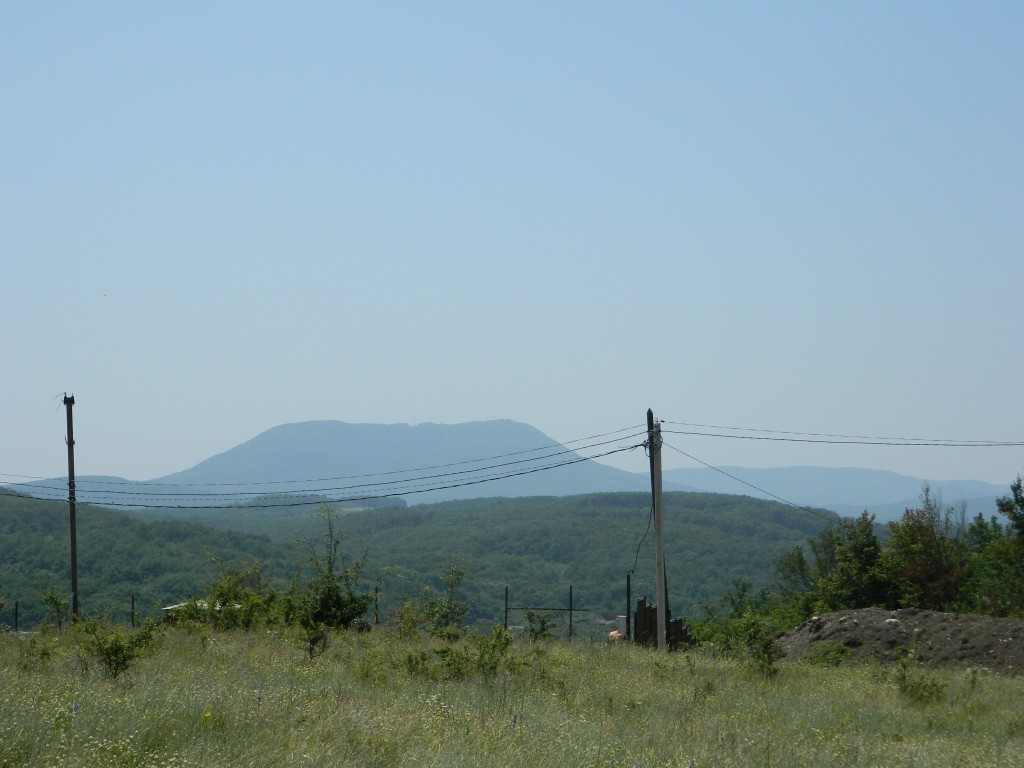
{"x": 933, "y": 639}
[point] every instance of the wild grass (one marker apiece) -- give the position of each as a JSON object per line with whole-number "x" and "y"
{"x": 211, "y": 699}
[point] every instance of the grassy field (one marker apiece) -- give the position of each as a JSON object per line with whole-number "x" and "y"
{"x": 376, "y": 699}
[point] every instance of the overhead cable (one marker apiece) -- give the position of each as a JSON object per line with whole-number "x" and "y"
{"x": 750, "y": 485}
{"x": 839, "y": 439}
{"x": 191, "y": 495}
{"x": 400, "y": 491}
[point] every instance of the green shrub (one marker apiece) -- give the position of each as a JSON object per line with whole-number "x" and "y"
{"x": 448, "y": 662}
{"x": 492, "y": 651}
{"x": 539, "y": 627}
{"x": 441, "y": 614}
{"x": 57, "y": 607}
{"x": 35, "y": 654}
{"x": 762, "y": 650}
{"x": 316, "y": 636}
{"x": 486, "y": 656}
{"x": 114, "y": 648}
{"x": 829, "y": 653}
{"x": 917, "y": 687}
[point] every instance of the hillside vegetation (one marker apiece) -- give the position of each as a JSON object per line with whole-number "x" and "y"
{"x": 309, "y": 681}
{"x": 157, "y": 561}
{"x": 535, "y": 546}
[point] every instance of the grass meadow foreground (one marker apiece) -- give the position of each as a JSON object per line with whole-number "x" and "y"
{"x": 201, "y": 698}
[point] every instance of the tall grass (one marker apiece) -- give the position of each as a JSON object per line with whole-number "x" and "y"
{"x": 208, "y": 699}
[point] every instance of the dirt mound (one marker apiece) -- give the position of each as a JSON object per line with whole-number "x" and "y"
{"x": 934, "y": 639}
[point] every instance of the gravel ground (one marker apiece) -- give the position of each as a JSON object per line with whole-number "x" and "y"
{"x": 934, "y": 639}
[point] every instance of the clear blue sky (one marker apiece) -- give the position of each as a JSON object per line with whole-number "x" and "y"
{"x": 217, "y": 218}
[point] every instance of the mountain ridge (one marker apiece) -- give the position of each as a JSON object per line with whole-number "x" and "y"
{"x": 845, "y": 490}
{"x": 429, "y": 462}
{"x": 425, "y": 463}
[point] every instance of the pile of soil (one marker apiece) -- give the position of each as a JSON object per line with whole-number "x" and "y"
{"x": 931, "y": 638}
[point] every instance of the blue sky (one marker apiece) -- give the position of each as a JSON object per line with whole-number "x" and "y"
{"x": 217, "y": 218}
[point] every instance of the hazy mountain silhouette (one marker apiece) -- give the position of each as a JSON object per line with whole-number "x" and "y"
{"x": 847, "y": 490}
{"x": 423, "y": 463}
{"x": 427, "y": 463}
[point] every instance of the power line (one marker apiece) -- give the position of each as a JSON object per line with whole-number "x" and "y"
{"x": 399, "y": 483}
{"x": 650, "y": 519}
{"x": 399, "y": 491}
{"x": 548, "y": 446}
{"x": 840, "y": 439}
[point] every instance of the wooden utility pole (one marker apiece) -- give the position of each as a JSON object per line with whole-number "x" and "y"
{"x": 69, "y": 403}
{"x": 654, "y": 449}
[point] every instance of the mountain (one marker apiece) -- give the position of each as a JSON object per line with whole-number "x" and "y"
{"x": 399, "y": 464}
{"x": 370, "y": 464}
{"x": 424, "y": 463}
{"x": 109, "y": 490}
{"x": 847, "y": 491}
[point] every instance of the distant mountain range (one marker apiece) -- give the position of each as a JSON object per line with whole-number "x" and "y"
{"x": 847, "y": 490}
{"x": 428, "y": 463}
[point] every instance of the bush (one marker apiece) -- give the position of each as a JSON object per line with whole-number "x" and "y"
{"x": 483, "y": 655}
{"x": 918, "y": 688}
{"x": 57, "y": 607}
{"x": 492, "y": 651}
{"x": 829, "y": 653}
{"x": 440, "y": 613}
{"x": 539, "y": 627}
{"x": 759, "y": 642}
{"x": 115, "y": 649}
{"x": 332, "y": 598}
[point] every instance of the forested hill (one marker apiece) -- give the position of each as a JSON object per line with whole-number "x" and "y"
{"x": 537, "y": 546}
{"x": 157, "y": 561}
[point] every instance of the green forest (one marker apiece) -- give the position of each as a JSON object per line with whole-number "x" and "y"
{"x": 727, "y": 557}
{"x": 157, "y": 561}
{"x": 537, "y": 546}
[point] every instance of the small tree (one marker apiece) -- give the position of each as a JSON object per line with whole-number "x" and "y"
{"x": 1013, "y": 507}
{"x": 300, "y": 606}
{"x": 57, "y": 606}
{"x": 237, "y": 599}
{"x": 114, "y": 648}
{"x": 982, "y": 533}
{"x": 856, "y": 581}
{"x": 445, "y": 613}
{"x": 439, "y": 613}
{"x": 331, "y": 599}
{"x": 926, "y": 556}
{"x": 539, "y": 627}
{"x": 996, "y": 581}
{"x": 336, "y": 599}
